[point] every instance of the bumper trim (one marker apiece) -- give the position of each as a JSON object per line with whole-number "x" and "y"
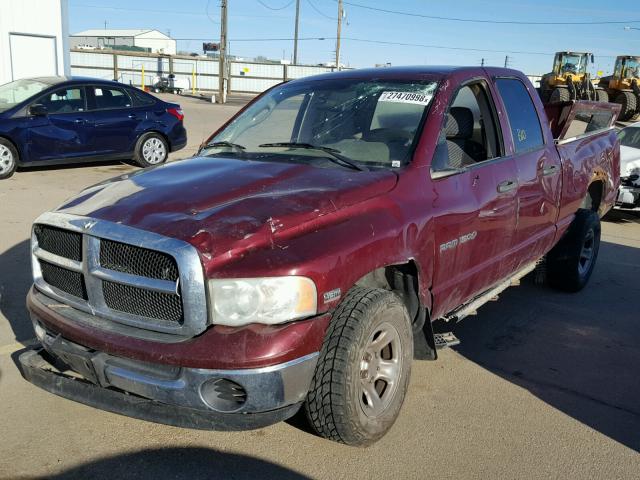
{"x": 37, "y": 369}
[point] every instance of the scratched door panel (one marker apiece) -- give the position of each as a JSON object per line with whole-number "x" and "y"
{"x": 473, "y": 231}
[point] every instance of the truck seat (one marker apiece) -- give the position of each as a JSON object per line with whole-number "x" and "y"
{"x": 462, "y": 149}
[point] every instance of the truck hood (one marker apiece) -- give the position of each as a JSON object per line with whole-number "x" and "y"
{"x": 222, "y": 205}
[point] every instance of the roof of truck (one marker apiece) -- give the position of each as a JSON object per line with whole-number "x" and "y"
{"x": 416, "y": 71}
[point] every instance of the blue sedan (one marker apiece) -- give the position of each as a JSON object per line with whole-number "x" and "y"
{"x": 53, "y": 120}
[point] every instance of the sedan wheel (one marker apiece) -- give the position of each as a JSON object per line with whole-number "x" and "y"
{"x": 8, "y": 159}
{"x": 154, "y": 151}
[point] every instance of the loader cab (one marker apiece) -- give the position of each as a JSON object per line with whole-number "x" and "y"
{"x": 627, "y": 69}
{"x": 571, "y": 63}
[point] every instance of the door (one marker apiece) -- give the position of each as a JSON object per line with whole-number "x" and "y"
{"x": 116, "y": 119}
{"x": 66, "y": 131}
{"x": 32, "y": 56}
{"x": 475, "y": 187}
{"x": 539, "y": 173}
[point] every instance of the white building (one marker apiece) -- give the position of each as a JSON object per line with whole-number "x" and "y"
{"x": 33, "y": 39}
{"x": 157, "y": 41}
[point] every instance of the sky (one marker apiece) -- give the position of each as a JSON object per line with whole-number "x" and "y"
{"x": 255, "y": 27}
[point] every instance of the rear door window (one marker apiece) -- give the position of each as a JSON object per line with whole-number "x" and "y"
{"x": 107, "y": 98}
{"x": 523, "y": 117}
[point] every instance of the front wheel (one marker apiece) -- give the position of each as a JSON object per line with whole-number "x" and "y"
{"x": 8, "y": 159}
{"x": 151, "y": 149}
{"x": 571, "y": 262}
{"x": 363, "y": 370}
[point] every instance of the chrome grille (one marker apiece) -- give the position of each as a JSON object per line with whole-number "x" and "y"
{"x": 59, "y": 242}
{"x": 137, "y": 261}
{"x": 66, "y": 280}
{"x": 116, "y": 277}
{"x": 138, "y": 301}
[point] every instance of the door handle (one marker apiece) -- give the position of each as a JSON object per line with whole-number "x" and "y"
{"x": 79, "y": 120}
{"x": 132, "y": 116}
{"x": 507, "y": 186}
{"x": 550, "y": 170}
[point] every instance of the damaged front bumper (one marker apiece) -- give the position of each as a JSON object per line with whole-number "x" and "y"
{"x": 186, "y": 397}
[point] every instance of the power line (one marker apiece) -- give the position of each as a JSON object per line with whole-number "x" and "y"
{"x": 275, "y": 8}
{"x": 320, "y": 12}
{"x": 472, "y": 20}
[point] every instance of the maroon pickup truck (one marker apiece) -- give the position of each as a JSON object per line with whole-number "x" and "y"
{"x": 299, "y": 260}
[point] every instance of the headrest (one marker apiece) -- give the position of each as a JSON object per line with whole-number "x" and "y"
{"x": 459, "y": 123}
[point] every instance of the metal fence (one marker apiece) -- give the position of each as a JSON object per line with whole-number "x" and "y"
{"x": 199, "y": 73}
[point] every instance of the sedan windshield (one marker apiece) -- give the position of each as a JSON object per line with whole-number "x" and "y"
{"x": 630, "y": 137}
{"x": 338, "y": 123}
{"x": 13, "y": 93}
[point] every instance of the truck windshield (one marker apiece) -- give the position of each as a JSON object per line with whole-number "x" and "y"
{"x": 368, "y": 123}
{"x": 632, "y": 68}
{"x": 13, "y": 93}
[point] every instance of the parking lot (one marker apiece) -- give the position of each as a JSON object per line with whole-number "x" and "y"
{"x": 543, "y": 385}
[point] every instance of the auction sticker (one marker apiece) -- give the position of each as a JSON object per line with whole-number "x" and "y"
{"x": 406, "y": 97}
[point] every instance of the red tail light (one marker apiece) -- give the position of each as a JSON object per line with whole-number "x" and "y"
{"x": 176, "y": 112}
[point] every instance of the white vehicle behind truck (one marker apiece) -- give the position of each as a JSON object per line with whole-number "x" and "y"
{"x": 629, "y": 192}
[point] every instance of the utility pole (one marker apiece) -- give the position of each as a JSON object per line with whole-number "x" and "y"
{"x": 340, "y": 13}
{"x": 295, "y": 35}
{"x": 222, "y": 59}
{"x": 482, "y": 62}
{"x": 506, "y": 61}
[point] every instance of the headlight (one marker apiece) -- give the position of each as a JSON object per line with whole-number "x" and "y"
{"x": 240, "y": 301}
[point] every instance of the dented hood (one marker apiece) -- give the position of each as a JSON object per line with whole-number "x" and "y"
{"x": 216, "y": 203}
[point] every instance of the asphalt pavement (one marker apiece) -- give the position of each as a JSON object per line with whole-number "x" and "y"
{"x": 543, "y": 385}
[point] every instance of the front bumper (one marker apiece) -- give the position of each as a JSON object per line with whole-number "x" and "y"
{"x": 187, "y": 397}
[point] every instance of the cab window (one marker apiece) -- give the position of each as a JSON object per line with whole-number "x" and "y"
{"x": 522, "y": 114}
{"x": 470, "y": 133}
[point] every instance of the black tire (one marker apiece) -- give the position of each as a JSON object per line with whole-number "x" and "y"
{"x": 155, "y": 141}
{"x": 337, "y": 404}
{"x": 627, "y": 100}
{"x": 571, "y": 262}
{"x": 8, "y": 159}
{"x": 559, "y": 95}
{"x": 602, "y": 96}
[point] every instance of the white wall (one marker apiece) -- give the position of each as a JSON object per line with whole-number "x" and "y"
{"x": 33, "y": 24}
{"x": 156, "y": 41}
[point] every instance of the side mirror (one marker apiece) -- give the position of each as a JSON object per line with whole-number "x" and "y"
{"x": 38, "y": 110}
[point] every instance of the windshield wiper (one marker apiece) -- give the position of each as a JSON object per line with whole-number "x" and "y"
{"x": 335, "y": 155}
{"x": 225, "y": 144}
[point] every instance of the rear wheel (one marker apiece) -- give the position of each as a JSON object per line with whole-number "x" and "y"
{"x": 8, "y": 159}
{"x": 571, "y": 262}
{"x": 560, "y": 95}
{"x": 363, "y": 370}
{"x": 627, "y": 100}
{"x": 151, "y": 149}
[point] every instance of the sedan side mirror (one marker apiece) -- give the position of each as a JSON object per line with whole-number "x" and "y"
{"x": 38, "y": 110}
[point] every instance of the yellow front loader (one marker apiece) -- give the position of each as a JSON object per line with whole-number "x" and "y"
{"x": 623, "y": 86}
{"x": 569, "y": 80}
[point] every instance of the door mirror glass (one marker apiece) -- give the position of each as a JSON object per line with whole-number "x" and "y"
{"x": 38, "y": 110}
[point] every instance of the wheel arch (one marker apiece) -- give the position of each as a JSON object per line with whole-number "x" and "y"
{"x": 404, "y": 279}
{"x": 159, "y": 132}
{"x": 594, "y": 196}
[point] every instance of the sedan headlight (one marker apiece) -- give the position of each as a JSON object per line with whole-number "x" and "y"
{"x": 270, "y": 300}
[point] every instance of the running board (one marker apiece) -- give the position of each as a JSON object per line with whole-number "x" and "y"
{"x": 444, "y": 340}
{"x": 489, "y": 295}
